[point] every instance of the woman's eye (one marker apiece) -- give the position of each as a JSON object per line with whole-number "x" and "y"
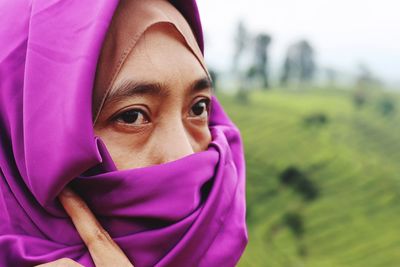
{"x": 200, "y": 109}
{"x": 133, "y": 116}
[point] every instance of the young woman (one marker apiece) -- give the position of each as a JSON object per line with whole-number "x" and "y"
{"x": 114, "y": 152}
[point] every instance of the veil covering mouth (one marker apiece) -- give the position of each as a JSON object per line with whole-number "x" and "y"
{"x": 189, "y": 212}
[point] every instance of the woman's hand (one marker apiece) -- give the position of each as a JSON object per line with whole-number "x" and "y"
{"x": 104, "y": 251}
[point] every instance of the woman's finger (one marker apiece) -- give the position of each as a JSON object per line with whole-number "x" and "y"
{"x": 64, "y": 262}
{"x": 104, "y": 251}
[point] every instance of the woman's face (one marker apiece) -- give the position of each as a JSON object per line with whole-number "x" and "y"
{"x": 158, "y": 108}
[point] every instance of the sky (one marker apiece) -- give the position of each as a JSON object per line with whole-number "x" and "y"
{"x": 345, "y": 33}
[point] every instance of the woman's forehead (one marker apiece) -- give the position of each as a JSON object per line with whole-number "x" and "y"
{"x": 130, "y": 21}
{"x": 160, "y": 65}
{"x": 162, "y": 56}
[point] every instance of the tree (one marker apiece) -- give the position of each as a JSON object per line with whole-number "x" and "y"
{"x": 299, "y": 64}
{"x": 241, "y": 39}
{"x": 262, "y": 42}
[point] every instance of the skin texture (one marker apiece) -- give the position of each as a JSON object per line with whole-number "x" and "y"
{"x": 153, "y": 125}
{"x": 164, "y": 126}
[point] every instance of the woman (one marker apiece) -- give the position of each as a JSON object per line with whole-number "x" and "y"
{"x": 111, "y": 106}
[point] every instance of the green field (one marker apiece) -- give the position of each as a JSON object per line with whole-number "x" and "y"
{"x": 352, "y": 159}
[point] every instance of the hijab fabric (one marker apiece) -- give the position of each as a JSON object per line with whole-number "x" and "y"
{"x": 189, "y": 212}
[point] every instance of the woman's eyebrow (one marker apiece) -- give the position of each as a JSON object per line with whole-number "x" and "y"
{"x": 131, "y": 88}
{"x": 201, "y": 85}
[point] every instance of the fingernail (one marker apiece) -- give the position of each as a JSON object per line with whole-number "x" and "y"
{"x": 67, "y": 192}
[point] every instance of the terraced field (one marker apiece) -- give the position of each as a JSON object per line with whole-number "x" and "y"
{"x": 323, "y": 179}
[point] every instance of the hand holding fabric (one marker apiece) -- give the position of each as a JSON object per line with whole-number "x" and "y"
{"x": 103, "y": 250}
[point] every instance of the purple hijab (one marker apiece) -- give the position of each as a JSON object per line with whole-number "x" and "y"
{"x": 189, "y": 212}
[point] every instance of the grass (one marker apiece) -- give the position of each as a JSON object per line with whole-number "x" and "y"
{"x": 352, "y": 158}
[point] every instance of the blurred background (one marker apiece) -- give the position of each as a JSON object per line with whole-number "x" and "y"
{"x": 314, "y": 86}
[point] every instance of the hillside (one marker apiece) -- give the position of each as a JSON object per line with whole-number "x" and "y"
{"x": 323, "y": 179}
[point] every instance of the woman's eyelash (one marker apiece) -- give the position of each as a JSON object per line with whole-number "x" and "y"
{"x": 131, "y": 116}
{"x": 200, "y": 107}
{"x": 137, "y": 116}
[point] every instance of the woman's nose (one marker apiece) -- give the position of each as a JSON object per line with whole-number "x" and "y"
{"x": 173, "y": 142}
